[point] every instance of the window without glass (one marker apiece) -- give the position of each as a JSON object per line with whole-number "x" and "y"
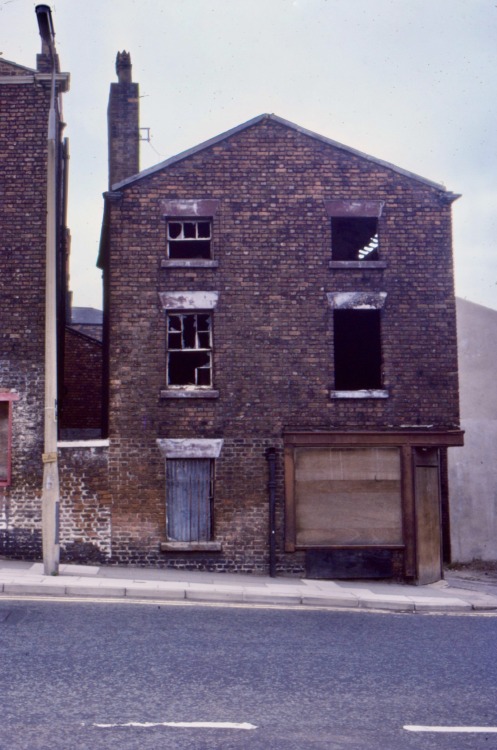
{"x": 357, "y": 340}
{"x": 354, "y": 238}
{"x": 189, "y": 344}
{"x": 189, "y": 239}
{"x": 189, "y": 499}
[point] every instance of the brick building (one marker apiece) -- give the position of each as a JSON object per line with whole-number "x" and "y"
{"x": 281, "y": 357}
{"x": 24, "y": 104}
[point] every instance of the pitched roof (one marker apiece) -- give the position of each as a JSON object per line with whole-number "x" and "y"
{"x": 286, "y": 123}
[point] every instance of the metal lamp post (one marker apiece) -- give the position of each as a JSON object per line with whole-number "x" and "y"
{"x": 50, "y": 492}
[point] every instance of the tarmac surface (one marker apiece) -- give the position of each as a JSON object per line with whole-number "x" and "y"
{"x": 462, "y": 591}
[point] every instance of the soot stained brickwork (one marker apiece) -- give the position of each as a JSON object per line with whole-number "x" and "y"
{"x": 273, "y": 342}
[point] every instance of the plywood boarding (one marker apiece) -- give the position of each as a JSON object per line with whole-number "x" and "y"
{"x": 349, "y": 496}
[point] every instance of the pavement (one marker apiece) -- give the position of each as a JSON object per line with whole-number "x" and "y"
{"x": 459, "y": 592}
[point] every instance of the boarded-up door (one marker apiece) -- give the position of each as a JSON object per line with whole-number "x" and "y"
{"x": 189, "y": 499}
{"x": 427, "y": 504}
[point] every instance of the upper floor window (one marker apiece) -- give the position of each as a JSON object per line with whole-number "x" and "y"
{"x": 354, "y": 233}
{"x": 190, "y": 232}
{"x": 189, "y": 239}
{"x": 189, "y": 349}
{"x": 354, "y": 238}
{"x": 358, "y": 361}
{"x": 189, "y": 316}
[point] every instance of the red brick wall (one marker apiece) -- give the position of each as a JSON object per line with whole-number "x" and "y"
{"x": 273, "y": 337}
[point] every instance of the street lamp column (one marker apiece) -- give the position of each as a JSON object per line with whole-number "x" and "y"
{"x": 50, "y": 491}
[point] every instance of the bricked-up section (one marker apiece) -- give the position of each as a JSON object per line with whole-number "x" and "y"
{"x": 273, "y": 342}
{"x": 85, "y": 517}
{"x": 123, "y": 123}
{"x": 82, "y": 404}
{"x": 85, "y": 521}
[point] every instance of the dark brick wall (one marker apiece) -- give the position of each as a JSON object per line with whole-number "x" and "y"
{"x": 24, "y": 110}
{"x": 273, "y": 337}
{"x": 82, "y": 404}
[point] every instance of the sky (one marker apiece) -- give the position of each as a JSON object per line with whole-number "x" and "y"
{"x": 412, "y": 82}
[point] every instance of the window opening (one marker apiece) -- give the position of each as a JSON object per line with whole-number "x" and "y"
{"x": 357, "y": 341}
{"x": 354, "y": 238}
{"x": 189, "y": 343}
{"x": 189, "y": 239}
{"x": 189, "y": 499}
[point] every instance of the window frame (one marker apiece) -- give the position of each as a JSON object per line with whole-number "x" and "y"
{"x": 356, "y": 209}
{"x": 186, "y": 449}
{"x": 183, "y": 239}
{"x": 186, "y": 303}
{"x": 190, "y": 210}
{"x": 183, "y": 315}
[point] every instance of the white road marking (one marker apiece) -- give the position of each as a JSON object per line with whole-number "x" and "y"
{"x": 448, "y": 730}
{"x": 184, "y": 724}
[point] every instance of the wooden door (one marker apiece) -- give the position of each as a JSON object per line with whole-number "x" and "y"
{"x": 428, "y": 523}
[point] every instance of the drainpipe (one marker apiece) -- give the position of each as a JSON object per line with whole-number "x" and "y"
{"x": 271, "y": 461}
{"x": 50, "y": 491}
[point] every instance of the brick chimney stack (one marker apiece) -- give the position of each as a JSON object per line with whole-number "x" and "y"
{"x": 123, "y": 123}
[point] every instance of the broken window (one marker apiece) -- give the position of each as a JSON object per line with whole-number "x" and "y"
{"x": 189, "y": 499}
{"x": 354, "y": 238}
{"x": 357, "y": 341}
{"x": 189, "y": 345}
{"x": 189, "y": 239}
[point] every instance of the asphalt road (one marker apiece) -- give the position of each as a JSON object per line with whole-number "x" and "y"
{"x": 79, "y": 676}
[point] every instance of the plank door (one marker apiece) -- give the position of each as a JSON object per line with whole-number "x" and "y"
{"x": 428, "y": 516}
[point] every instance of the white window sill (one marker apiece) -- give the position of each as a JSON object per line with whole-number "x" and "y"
{"x": 366, "y": 393}
{"x": 364, "y": 265}
{"x": 188, "y": 263}
{"x": 190, "y": 393}
{"x": 191, "y": 547}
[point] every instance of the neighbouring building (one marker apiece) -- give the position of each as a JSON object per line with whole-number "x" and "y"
{"x": 81, "y": 413}
{"x": 473, "y": 471}
{"x": 280, "y": 354}
{"x": 24, "y": 104}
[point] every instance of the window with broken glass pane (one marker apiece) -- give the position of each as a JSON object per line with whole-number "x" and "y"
{"x": 189, "y": 239}
{"x": 354, "y": 238}
{"x": 189, "y": 345}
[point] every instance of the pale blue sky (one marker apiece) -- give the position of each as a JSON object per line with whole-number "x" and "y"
{"x": 412, "y": 82}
